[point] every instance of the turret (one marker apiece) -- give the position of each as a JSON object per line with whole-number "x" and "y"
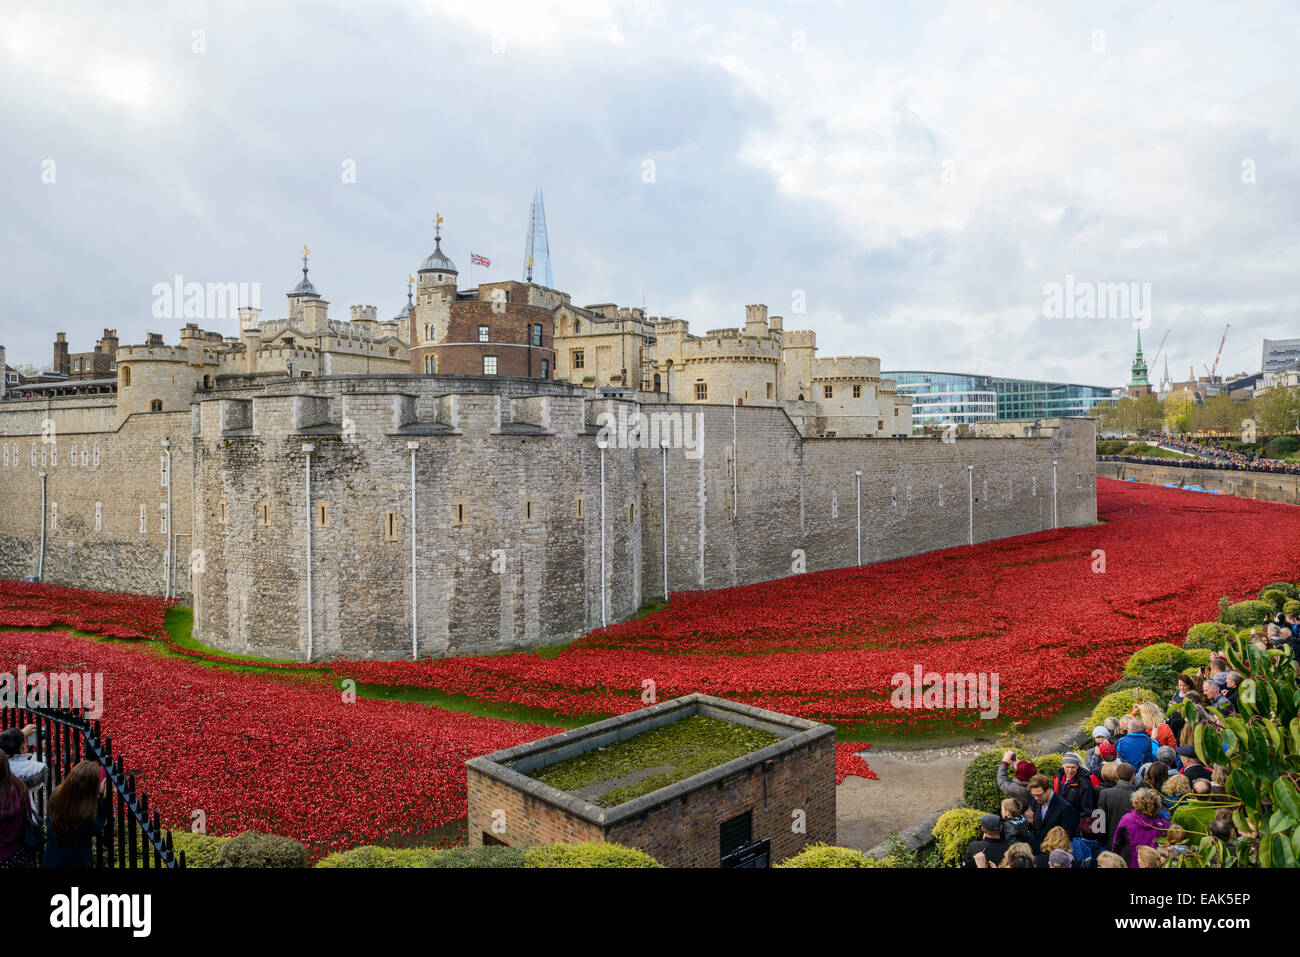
{"x": 756, "y": 321}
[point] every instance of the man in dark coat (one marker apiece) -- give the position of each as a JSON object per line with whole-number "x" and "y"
{"x": 990, "y": 842}
{"x": 1047, "y": 810}
{"x": 1117, "y": 800}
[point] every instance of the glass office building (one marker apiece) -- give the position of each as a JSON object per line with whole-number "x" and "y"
{"x": 963, "y": 399}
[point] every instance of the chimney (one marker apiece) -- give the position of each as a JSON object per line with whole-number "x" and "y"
{"x": 62, "y": 363}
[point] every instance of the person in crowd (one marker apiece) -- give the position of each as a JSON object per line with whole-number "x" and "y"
{"x": 1110, "y": 859}
{"x": 1231, "y": 685}
{"x": 1185, "y": 685}
{"x": 989, "y": 844}
{"x": 1112, "y": 725}
{"x": 1150, "y": 857}
{"x": 1215, "y": 698}
{"x": 1048, "y": 810}
{"x": 1157, "y": 727}
{"x": 1076, "y": 785}
{"x": 15, "y": 819}
{"x": 1018, "y": 855}
{"x": 1193, "y": 769}
{"x": 1014, "y": 826}
{"x": 1219, "y": 668}
{"x": 1116, "y": 801}
{"x": 79, "y": 808}
{"x": 16, "y": 743}
{"x": 1219, "y": 780}
{"x": 1100, "y": 736}
{"x": 1136, "y": 747}
{"x": 1022, "y": 771}
{"x": 1168, "y": 756}
{"x": 1140, "y": 827}
{"x": 1109, "y": 759}
{"x": 1176, "y": 793}
{"x": 1060, "y": 859}
{"x": 1055, "y": 840}
{"x": 1155, "y": 776}
{"x": 1108, "y": 776}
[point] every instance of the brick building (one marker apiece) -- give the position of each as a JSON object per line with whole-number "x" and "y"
{"x": 782, "y": 794}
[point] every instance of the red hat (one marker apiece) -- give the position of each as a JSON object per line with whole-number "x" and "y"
{"x": 1106, "y": 750}
{"x": 1025, "y": 770}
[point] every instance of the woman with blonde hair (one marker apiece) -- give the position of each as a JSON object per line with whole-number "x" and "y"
{"x": 1057, "y": 839}
{"x": 1018, "y": 855}
{"x": 1110, "y": 859}
{"x": 1157, "y": 727}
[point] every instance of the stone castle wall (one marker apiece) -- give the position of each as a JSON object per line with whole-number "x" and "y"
{"x": 507, "y": 506}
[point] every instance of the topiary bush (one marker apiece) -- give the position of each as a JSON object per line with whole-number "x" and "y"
{"x": 1292, "y": 608}
{"x": 979, "y": 790}
{"x": 954, "y": 830}
{"x": 1160, "y": 653}
{"x": 1212, "y": 635}
{"x": 201, "y": 850}
{"x": 252, "y": 849}
{"x": 593, "y": 854}
{"x": 1123, "y": 684}
{"x": 1117, "y": 705}
{"x": 1244, "y": 614}
{"x": 1277, "y": 599}
{"x": 826, "y": 855}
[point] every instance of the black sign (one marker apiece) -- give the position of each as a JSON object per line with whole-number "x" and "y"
{"x": 753, "y": 854}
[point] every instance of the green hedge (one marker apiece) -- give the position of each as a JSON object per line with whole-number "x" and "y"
{"x": 201, "y": 850}
{"x": 954, "y": 830}
{"x": 586, "y": 855}
{"x": 979, "y": 788}
{"x": 389, "y": 857}
{"x": 826, "y": 855}
{"x": 1292, "y": 608}
{"x": 1048, "y": 764}
{"x": 1276, "y": 598}
{"x": 1161, "y": 653}
{"x": 1245, "y": 613}
{"x": 1123, "y": 684}
{"x": 1211, "y": 635}
{"x": 252, "y": 849}
{"x": 1117, "y": 705}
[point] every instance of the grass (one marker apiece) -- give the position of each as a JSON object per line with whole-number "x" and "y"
{"x": 474, "y": 706}
{"x": 681, "y": 749}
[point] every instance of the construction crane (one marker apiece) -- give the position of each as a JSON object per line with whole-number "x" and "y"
{"x": 1211, "y": 370}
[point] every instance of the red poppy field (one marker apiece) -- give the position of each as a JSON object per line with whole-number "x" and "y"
{"x": 285, "y": 752}
{"x": 825, "y": 645}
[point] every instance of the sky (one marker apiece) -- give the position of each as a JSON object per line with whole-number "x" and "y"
{"x": 908, "y": 180}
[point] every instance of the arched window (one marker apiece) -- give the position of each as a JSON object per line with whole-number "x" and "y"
{"x": 207, "y": 382}
{"x": 656, "y": 381}
{"x": 155, "y": 405}
{"x": 126, "y": 376}
{"x": 577, "y": 325}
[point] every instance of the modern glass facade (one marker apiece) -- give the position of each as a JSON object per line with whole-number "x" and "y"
{"x": 964, "y": 399}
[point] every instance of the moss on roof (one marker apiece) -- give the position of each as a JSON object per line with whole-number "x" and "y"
{"x": 645, "y": 762}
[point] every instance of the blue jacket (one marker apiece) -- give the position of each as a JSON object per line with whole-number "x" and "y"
{"x": 1136, "y": 749}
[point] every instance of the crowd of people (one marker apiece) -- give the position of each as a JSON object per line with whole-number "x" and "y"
{"x": 1138, "y": 796}
{"x": 77, "y": 809}
{"x": 1209, "y": 457}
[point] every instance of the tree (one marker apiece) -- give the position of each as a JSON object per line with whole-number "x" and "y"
{"x": 1261, "y": 749}
{"x": 1148, "y": 412}
{"x": 1277, "y": 410}
{"x": 1179, "y": 415}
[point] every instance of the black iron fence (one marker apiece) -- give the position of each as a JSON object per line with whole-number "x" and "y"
{"x": 132, "y": 837}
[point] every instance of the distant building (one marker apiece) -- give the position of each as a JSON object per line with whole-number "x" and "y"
{"x": 1139, "y": 385}
{"x": 1280, "y": 354}
{"x": 955, "y": 398}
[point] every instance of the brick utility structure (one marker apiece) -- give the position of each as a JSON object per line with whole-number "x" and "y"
{"x": 783, "y": 793}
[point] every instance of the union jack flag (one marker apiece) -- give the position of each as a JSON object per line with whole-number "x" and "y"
{"x": 479, "y": 260}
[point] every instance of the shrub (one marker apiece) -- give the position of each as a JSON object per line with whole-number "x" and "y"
{"x": 387, "y": 857}
{"x": 1048, "y": 764}
{"x": 1117, "y": 705}
{"x": 1212, "y": 635}
{"x": 1123, "y": 684}
{"x": 1110, "y": 446}
{"x": 1160, "y": 653}
{"x": 1137, "y": 448}
{"x": 825, "y": 855}
{"x": 954, "y": 830}
{"x": 1292, "y": 608}
{"x": 592, "y": 854}
{"x": 252, "y": 849}
{"x": 1281, "y": 447}
{"x": 1245, "y": 613}
{"x": 486, "y": 856}
{"x": 979, "y": 790}
{"x": 201, "y": 850}
{"x": 1291, "y": 592}
{"x": 1197, "y": 657}
{"x": 1276, "y": 598}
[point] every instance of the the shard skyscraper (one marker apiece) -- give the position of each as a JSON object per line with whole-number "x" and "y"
{"x": 537, "y": 251}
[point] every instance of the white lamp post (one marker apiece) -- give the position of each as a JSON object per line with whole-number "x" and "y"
{"x": 413, "y": 447}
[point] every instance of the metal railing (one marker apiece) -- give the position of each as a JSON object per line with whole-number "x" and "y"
{"x": 132, "y": 837}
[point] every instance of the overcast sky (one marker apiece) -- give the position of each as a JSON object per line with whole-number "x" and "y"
{"x": 918, "y": 171}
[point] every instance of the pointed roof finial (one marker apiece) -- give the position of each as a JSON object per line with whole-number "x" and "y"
{"x": 437, "y": 227}
{"x": 305, "y": 288}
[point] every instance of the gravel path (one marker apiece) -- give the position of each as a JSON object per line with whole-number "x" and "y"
{"x": 914, "y": 783}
